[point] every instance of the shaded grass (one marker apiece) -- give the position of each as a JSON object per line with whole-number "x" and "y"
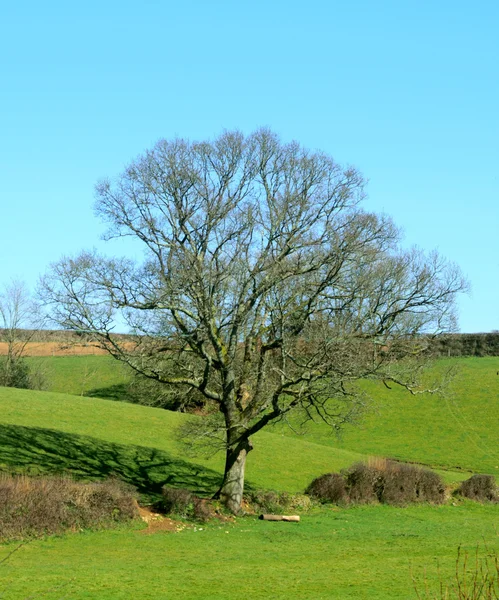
{"x": 360, "y": 553}
{"x": 39, "y": 451}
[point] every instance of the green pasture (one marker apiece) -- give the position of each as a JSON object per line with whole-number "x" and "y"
{"x": 44, "y": 432}
{"x": 362, "y": 552}
{"x": 357, "y": 553}
{"x": 456, "y": 430}
{"x": 89, "y": 375}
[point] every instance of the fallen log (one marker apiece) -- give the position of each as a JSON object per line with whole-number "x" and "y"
{"x": 292, "y": 518}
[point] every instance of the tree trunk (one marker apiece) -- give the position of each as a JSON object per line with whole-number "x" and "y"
{"x": 231, "y": 492}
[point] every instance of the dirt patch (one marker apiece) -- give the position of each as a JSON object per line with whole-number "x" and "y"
{"x": 157, "y": 522}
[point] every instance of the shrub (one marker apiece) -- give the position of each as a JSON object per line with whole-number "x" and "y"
{"x": 47, "y": 505}
{"x": 481, "y": 488}
{"x": 14, "y": 373}
{"x": 405, "y": 484}
{"x": 177, "y": 501}
{"x": 183, "y": 503}
{"x": 363, "y": 483}
{"x": 383, "y": 481}
{"x": 201, "y": 510}
{"x": 268, "y": 501}
{"x": 431, "y": 488}
{"x": 272, "y": 502}
{"x": 328, "y": 488}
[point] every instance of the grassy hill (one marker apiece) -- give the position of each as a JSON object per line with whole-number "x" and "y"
{"x": 362, "y": 552}
{"x": 455, "y": 431}
{"x": 47, "y": 431}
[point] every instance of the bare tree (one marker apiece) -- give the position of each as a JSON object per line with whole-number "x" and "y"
{"x": 20, "y": 321}
{"x": 265, "y": 287}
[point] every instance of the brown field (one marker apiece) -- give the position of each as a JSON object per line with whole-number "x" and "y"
{"x": 55, "y": 349}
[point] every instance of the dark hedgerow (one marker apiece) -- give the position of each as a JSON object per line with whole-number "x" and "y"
{"x": 328, "y": 488}
{"x": 482, "y": 488}
{"x": 406, "y": 484}
{"x": 431, "y": 487}
{"x": 47, "y": 505}
{"x": 387, "y": 482}
{"x": 363, "y": 483}
{"x": 268, "y": 501}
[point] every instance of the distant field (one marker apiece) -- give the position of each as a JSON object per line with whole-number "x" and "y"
{"x": 55, "y": 349}
{"x": 82, "y": 375}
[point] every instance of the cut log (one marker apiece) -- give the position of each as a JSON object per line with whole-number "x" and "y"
{"x": 292, "y": 518}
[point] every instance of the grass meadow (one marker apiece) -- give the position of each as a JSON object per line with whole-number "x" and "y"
{"x": 337, "y": 553}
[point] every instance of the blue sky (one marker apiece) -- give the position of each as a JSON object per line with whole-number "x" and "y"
{"x": 406, "y": 91}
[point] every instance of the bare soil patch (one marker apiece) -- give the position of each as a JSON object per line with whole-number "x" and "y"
{"x": 157, "y": 522}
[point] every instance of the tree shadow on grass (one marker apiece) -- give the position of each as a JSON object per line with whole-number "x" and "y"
{"x": 39, "y": 451}
{"x": 118, "y": 391}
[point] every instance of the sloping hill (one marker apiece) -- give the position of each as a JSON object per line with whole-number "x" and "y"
{"x": 92, "y": 437}
{"x": 458, "y": 430}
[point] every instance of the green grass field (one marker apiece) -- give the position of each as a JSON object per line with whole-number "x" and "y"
{"x": 363, "y": 552}
{"x": 91, "y": 375}
{"x": 360, "y": 553}
{"x": 458, "y": 430}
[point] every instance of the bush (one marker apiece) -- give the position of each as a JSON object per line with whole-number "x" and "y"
{"x": 177, "y": 501}
{"x": 271, "y": 502}
{"x": 47, "y": 505}
{"x": 405, "y": 484}
{"x": 16, "y": 373}
{"x": 362, "y": 483}
{"x": 328, "y": 488}
{"x": 481, "y": 488}
{"x": 431, "y": 488}
{"x": 201, "y": 510}
{"x": 383, "y": 481}
{"x": 183, "y": 503}
{"x": 267, "y": 501}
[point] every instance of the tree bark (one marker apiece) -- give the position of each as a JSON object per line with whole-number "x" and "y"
{"x": 231, "y": 492}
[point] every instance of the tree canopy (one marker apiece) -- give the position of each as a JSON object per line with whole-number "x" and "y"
{"x": 265, "y": 287}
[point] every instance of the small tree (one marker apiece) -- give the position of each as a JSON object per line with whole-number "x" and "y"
{"x": 265, "y": 287}
{"x": 20, "y": 320}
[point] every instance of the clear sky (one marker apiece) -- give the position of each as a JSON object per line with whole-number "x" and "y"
{"x": 407, "y": 91}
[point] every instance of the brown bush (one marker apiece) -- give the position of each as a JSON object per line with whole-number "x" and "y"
{"x": 183, "y": 503}
{"x": 430, "y": 488}
{"x": 177, "y": 501}
{"x": 481, "y": 488}
{"x": 328, "y": 488}
{"x": 363, "y": 483}
{"x": 46, "y": 505}
{"x": 383, "y": 481}
{"x": 406, "y": 484}
{"x": 201, "y": 510}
